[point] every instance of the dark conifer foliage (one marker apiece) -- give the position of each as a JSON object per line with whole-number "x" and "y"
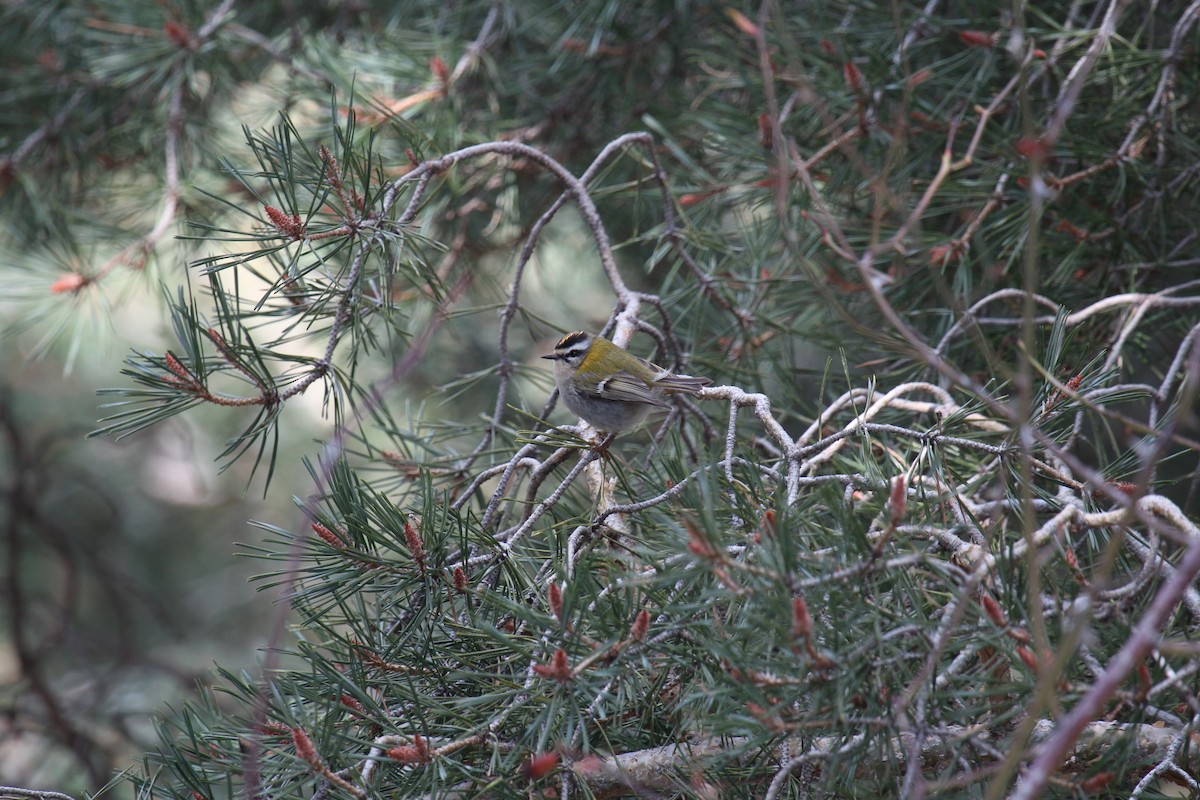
{"x": 932, "y": 529}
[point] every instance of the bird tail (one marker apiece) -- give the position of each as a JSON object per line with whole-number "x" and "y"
{"x": 681, "y": 384}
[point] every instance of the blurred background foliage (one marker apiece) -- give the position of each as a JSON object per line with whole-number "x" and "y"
{"x": 142, "y": 144}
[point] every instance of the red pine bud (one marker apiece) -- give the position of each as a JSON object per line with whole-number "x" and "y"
{"x": 696, "y": 542}
{"x": 1144, "y": 683}
{"x": 178, "y": 368}
{"x": 898, "y": 500}
{"x": 558, "y": 670}
{"x": 415, "y": 546}
{"x": 352, "y": 704}
{"x": 1097, "y": 782}
{"x": 742, "y": 22}
{"x": 977, "y": 38}
{"x": 801, "y": 620}
{"x": 854, "y": 78}
{"x": 71, "y": 282}
{"x": 438, "y": 67}
{"x": 945, "y": 253}
{"x": 994, "y": 612}
{"x": 1071, "y": 559}
{"x": 769, "y": 522}
{"x": 641, "y": 624}
{"x": 540, "y": 765}
{"x": 179, "y": 35}
{"x": 692, "y": 198}
{"x": 415, "y": 753}
{"x": 1033, "y": 147}
{"x": 304, "y": 746}
{"x": 333, "y": 173}
{"x": 766, "y": 132}
{"x": 290, "y": 226}
{"x": 332, "y": 539}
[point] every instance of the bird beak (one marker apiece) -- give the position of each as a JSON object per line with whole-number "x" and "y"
{"x": 552, "y": 357}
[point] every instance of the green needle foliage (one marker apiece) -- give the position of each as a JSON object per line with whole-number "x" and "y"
{"x": 931, "y": 531}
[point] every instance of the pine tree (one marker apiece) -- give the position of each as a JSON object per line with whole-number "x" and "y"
{"x": 930, "y": 531}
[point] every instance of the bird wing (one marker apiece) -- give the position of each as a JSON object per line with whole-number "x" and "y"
{"x": 629, "y": 389}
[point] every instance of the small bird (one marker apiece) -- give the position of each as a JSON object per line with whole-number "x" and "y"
{"x": 610, "y": 388}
